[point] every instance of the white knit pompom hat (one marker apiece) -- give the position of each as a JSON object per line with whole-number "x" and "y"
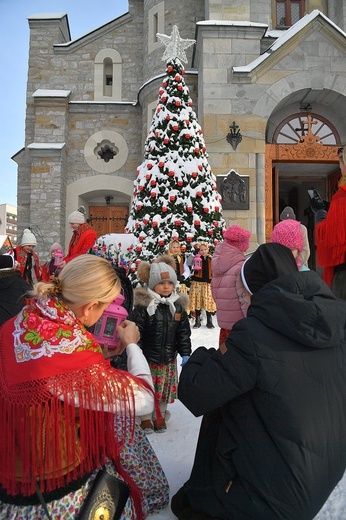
{"x": 77, "y": 217}
{"x": 28, "y": 239}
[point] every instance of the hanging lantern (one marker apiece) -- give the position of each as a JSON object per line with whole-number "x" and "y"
{"x": 105, "y": 328}
{"x": 197, "y": 263}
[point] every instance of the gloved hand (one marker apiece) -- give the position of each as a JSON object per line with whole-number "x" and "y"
{"x": 316, "y": 203}
{"x": 184, "y": 360}
{"x": 181, "y": 278}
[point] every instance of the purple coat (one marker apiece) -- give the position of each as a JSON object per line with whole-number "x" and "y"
{"x": 226, "y": 285}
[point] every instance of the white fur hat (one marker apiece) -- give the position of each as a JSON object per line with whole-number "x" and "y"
{"x": 28, "y": 238}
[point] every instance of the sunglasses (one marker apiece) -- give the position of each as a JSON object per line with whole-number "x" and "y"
{"x": 340, "y": 151}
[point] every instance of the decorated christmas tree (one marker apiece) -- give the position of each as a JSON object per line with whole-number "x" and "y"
{"x": 175, "y": 194}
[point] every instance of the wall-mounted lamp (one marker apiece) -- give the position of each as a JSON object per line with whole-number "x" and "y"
{"x": 108, "y": 199}
{"x": 234, "y": 137}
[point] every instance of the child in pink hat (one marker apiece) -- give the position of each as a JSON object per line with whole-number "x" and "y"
{"x": 289, "y": 233}
{"x": 226, "y": 285}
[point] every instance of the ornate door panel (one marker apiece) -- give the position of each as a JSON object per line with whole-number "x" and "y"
{"x": 108, "y": 219}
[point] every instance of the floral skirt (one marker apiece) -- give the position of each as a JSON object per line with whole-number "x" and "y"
{"x": 165, "y": 379}
{"x": 138, "y": 459}
{"x": 201, "y": 297}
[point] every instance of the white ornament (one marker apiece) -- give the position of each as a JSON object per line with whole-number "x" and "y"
{"x": 175, "y": 46}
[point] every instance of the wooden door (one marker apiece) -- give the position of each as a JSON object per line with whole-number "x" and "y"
{"x": 108, "y": 219}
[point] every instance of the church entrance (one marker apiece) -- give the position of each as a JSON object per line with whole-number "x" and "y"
{"x": 292, "y": 169}
{"x": 108, "y": 219}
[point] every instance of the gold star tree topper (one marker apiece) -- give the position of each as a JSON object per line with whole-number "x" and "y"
{"x": 175, "y": 46}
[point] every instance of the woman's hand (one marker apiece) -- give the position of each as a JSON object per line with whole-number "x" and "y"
{"x": 128, "y": 332}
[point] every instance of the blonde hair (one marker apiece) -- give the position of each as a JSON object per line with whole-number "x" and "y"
{"x": 85, "y": 279}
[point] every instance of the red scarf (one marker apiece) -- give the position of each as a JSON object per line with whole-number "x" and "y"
{"x": 48, "y": 362}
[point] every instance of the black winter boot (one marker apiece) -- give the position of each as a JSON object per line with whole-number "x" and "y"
{"x": 209, "y": 321}
{"x": 197, "y": 320}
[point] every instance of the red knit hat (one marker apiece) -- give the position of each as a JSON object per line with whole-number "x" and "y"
{"x": 238, "y": 237}
{"x": 288, "y": 233}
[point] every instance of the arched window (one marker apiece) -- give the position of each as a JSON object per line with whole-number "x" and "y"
{"x": 288, "y": 12}
{"x": 296, "y": 126}
{"x": 108, "y": 76}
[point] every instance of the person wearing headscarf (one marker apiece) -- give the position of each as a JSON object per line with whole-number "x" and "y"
{"x": 272, "y": 442}
{"x": 28, "y": 260}
{"x": 65, "y": 412}
{"x": 13, "y": 288}
{"x": 83, "y": 235}
{"x": 330, "y": 234}
{"x": 226, "y": 285}
{"x": 159, "y": 312}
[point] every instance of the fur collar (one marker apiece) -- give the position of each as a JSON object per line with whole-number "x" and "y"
{"x": 142, "y": 298}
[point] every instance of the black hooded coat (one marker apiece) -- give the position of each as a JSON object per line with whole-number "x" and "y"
{"x": 273, "y": 443}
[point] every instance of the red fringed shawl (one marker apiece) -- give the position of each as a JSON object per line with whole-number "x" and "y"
{"x": 58, "y": 400}
{"x": 330, "y": 236}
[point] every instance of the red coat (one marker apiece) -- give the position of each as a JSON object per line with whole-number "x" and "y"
{"x": 81, "y": 241}
{"x": 330, "y": 236}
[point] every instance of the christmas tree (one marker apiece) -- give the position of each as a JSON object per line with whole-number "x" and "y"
{"x": 175, "y": 194}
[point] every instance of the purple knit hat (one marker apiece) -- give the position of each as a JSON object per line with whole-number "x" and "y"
{"x": 288, "y": 233}
{"x": 238, "y": 237}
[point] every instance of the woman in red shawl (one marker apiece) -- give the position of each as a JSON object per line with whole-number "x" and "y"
{"x": 330, "y": 234}
{"x": 65, "y": 411}
{"x": 83, "y": 236}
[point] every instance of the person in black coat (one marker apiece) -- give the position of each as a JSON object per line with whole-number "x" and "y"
{"x": 159, "y": 313}
{"x": 13, "y": 289}
{"x": 272, "y": 444}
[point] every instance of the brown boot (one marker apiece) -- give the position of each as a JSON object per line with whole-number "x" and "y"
{"x": 147, "y": 426}
{"x": 160, "y": 426}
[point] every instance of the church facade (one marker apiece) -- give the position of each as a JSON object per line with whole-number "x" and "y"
{"x": 268, "y": 82}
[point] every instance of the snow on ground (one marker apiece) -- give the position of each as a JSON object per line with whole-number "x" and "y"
{"x": 176, "y": 447}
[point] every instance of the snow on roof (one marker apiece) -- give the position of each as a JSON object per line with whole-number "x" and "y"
{"x": 286, "y": 36}
{"x": 46, "y": 146}
{"x": 231, "y": 23}
{"x": 47, "y": 16}
{"x": 51, "y": 93}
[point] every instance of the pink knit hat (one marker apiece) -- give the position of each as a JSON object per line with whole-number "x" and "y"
{"x": 288, "y": 233}
{"x": 238, "y": 237}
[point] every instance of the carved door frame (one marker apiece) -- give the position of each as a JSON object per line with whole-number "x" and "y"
{"x": 308, "y": 150}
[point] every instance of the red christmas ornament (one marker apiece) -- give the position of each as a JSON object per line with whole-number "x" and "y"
{"x": 148, "y": 176}
{"x": 180, "y": 87}
{"x": 171, "y": 173}
{"x": 161, "y": 164}
{"x": 141, "y": 239}
{"x": 197, "y": 222}
{"x": 196, "y": 150}
{"x": 172, "y": 198}
{"x": 161, "y": 242}
{"x": 164, "y": 209}
{"x": 157, "y": 133}
{"x": 141, "y": 188}
{"x": 164, "y": 84}
{"x": 139, "y": 207}
{"x": 206, "y": 210}
{"x": 154, "y": 223}
{"x": 188, "y": 239}
{"x": 177, "y": 103}
{"x": 168, "y": 117}
{"x": 169, "y": 68}
{"x": 187, "y": 136}
{"x": 153, "y": 182}
{"x": 166, "y": 140}
{"x": 210, "y": 232}
{"x": 194, "y": 175}
{"x": 161, "y": 91}
{"x": 190, "y": 103}
{"x": 149, "y": 166}
{"x": 145, "y": 221}
{"x": 164, "y": 99}
{"x": 136, "y": 225}
{"x": 138, "y": 262}
{"x": 216, "y": 224}
{"x": 183, "y": 71}
{"x": 217, "y": 209}
{"x": 138, "y": 248}
{"x": 138, "y": 172}
{"x": 175, "y": 128}
{"x": 189, "y": 209}
{"x": 200, "y": 167}
{"x": 158, "y": 110}
{"x": 177, "y": 77}
{"x": 178, "y": 222}
{"x": 180, "y": 183}
{"x": 199, "y": 194}
{"x": 203, "y": 148}
{"x": 153, "y": 195}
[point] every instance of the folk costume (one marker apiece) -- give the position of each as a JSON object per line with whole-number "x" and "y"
{"x": 200, "y": 292}
{"x": 69, "y": 412}
{"x": 29, "y": 263}
{"x": 182, "y": 271}
{"x": 81, "y": 241}
{"x": 50, "y": 268}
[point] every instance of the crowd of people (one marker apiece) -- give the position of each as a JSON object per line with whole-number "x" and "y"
{"x": 271, "y": 443}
